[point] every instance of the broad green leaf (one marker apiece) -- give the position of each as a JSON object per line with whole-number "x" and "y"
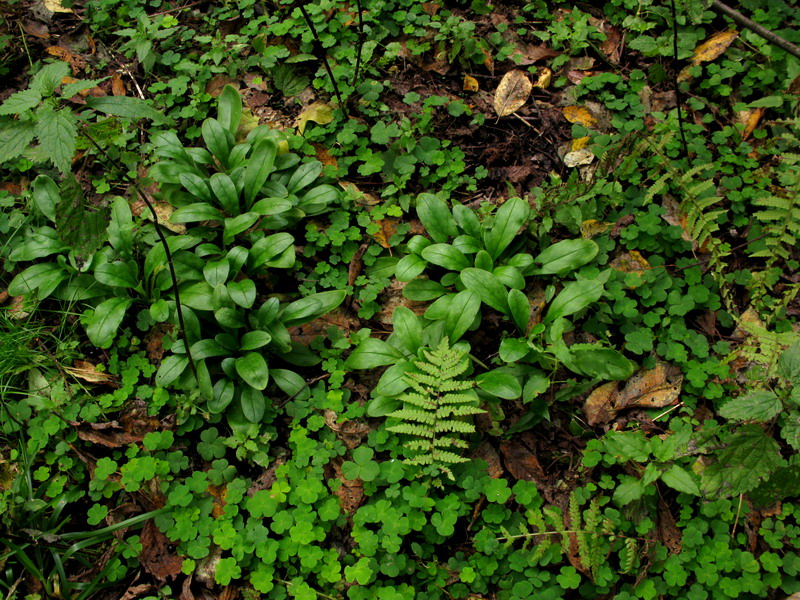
{"x": 222, "y": 395}
{"x": 159, "y": 310}
{"x": 575, "y": 296}
{"x": 266, "y": 249}
{"x": 603, "y": 363}
{"x": 758, "y": 405}
{"x": 444, "y": 255}
{"x": 170, "y": 369}
{"x": 243, "y": 292}
{"x": 55, "y": 130}
{"x": 311, "y": 307}
{"x": 409, "y": 267}
{"x": 15, "y": 137}
{"x": 20, "y": 102}
{"x": 502, "y": 385}
{"x": 204, "y": 380}
{"x": 488, "y": 287}
{"x": 380, "y": 406}
{"x": 291, "y": 384}
{"x": 120, "y": 230}
{"x": 566, "y": 256}
{"x": 128, "y": 107}
{"x": 229, "y": 110}
{"x": 43, "y": 242}
{"x": 439, "y": 308}
{"x": 407, "y": 328}
{"x": 252, "y": 368}
{"x": 200, "y": 211}
{"x": 373, "y": 353}
{"x": 255, "y": 339}
{"x": 253, "y": 403}
{"x": 218, "y": 140}
{"x": 509, "y": 276}
{"x": 513, "y": 349}
{"x": 196, "y": 185}
{"x": 317, "y": 199}
{"x": 208, "y": 348}
{"x": 198, "y": 296}
{"x": 237, "y": 225}
{"x": 258, "y": 168}
{"x": 393, "y": 381}
{"x": 102, "y": 326}
{"x": 79, "y": 225}
{"x": 436, "y": 217}
{"x": 463, "y": 308}
{"x": 43, "y": 277}
{"x": 628, "y": 491}
{"x": 467, "y": 220}
{"x": 520, "y": 309}
{"x": 679, "y": 479}
{"x": 508, "y": 220}
{"x": 216, "y": 272}
{"x": 303, "y": 176}
{"x": 116, "y": 274}
{"x": 225, "y": 192}
{"x": 423, "y": 290}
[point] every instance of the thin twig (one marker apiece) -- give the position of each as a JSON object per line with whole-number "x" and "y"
{"x": 163, "y": 239}
{"x": 360, "y": 42}
{"x": 768, "y": 35}
{"x": 675, "y": 83}
{"x": 321, "y": 50}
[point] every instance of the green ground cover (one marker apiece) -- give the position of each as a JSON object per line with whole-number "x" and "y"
{"x": 385, "y": 299}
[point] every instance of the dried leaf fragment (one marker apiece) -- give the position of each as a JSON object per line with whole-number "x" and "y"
{"x": 545, "y": 76}
{"x": 318, "y": 112}
{"x": 512, "y": 93}
{"x": 470, "y": 84}
{"x": 713, "y": 47}
{"x": 579, "y": 115}
{"x": 118, "y": 87}
{"x": 55, "y": 6}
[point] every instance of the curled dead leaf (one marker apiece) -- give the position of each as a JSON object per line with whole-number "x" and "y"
{"x": 318, "y": 112}
{"x": 593, "y": 228}
{"x": 750, "y": 119}
{"x": 470, "y": 84}
{"x": 579, "y": 115}
{"x": 578, "y": 158}
{"x": 544, "y": 78}
{"x": 118, "y": 87}
{"x": 55, "y": 6}
{"x": 512, "y": 93}
{"x": 713, "y": 47}
{"x": 83, "y": 369}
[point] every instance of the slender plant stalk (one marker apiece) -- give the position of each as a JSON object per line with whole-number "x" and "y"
{"x": 360, "y": 42}
{"x": 675, "y": 84}
{"x": 163, "y": 239}
{"x": 322, "y": 55}
{"x": 768, "y": 35}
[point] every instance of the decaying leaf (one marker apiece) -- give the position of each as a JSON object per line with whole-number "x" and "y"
{"x": 713, "y": 47}
{"x": 750, "y": 119}
{"x": 76, "y": 62}
{"x": 578, "y": 158}
{"x": 579, "y": 115}
{"x": 351, "y": 492}
{"x": 630, "y": 262}
{"x": 55, "y": 6}
{"x": 36, "y": 29}
{"x": 118, "y": 87}
{"x": 216, "y": 84}
{"x": 363, "y": 198}
{"x": 156, "y": 557}
{"x": 521, "y": 462}
{"x": 593, "y": 228}
{"x": 350, "y": 432}
{"x": 650, "y": 388}
{"x": 318, "y": 112}
{"x": 512, "y": 93}
{"x": 83, "y": 369}
{"x": 388, "y": 228}
{"x": 489, "y": 455}
{"x": 527, "y": 54}
{"x": 544, "y": 78}
{"x": 470, "y": 84}
{"x": 163, "y": 210}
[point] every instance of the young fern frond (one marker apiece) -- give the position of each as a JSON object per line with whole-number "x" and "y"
{"x": 437, "y": 407}
{"x": 780, "y": 218}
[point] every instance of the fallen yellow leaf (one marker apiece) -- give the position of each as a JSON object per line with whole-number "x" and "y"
{"x": 318, "y": 112}
{"x": 512, "y": 93}
{"x": 470, "y": 84}
{"x": 593, "y": 228}
{"x": 579, "y": 115}
{"x": 55, "y": 6}
{"x": 750, "y": 119}
{"x": 580, "y": 143}
{"x": 713, "y": 46}
{"x": 543, "y": 81}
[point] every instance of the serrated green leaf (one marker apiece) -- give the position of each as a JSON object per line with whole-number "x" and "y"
{"x": 20, "y": 102}
{"x": 758, "y": 405}
{"x": 57, "y": 135}
{"x": 128, "y": 107}
{"x": 679, "y": 479}
{"x": 15, "y": 137}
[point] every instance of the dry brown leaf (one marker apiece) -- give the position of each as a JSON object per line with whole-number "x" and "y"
{"x": 350, "y": 432}
{"x": 612, "y": 47}
{"x": 350, "y": 493}
{"x": 713, "y": 47}
{"x": 599, "y": 406}
{"x": 388, "y": 227}
{"x": 673, "y": 216}
{"x": 630, "y": 262}
{"x": 653, "y": 388}
{"x": 156, "y": 557}
{"x": 76, "y": 62}
{"x": 470, "y": 84}
{"x": 118, "y": 87}
{"x": 748, "y": 317}
{"x": 363, "y": 198}
{"x": 164, "y": 211}
{"x": 512, "y": 93}
{"x": 83, "y": 369}
{"x": 520, "y": 462}
{"x": 579, "y": 115}
{"x": 36, "y": 29}
{"x": 527, "y": 54}
{"x": 544, "y": 78}
{"x": 216, "y": 84}
{"x": 750, "y": 119}
{"x": 431, "y": 8}
{"x": 488, "y": 454}
{"x": 668, "y": 532}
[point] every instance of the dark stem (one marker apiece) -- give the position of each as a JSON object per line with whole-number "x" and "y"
{"x": 675, "y": 84}
{"x": 163, "y": 239}
{"x": 360, "y": 42}
{"x": 756, "y": 28}
{"x": 323, "y": 56}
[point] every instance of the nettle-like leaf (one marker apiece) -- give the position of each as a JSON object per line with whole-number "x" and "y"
{"x": 758, "y": 405}
{"x": 434, "y": 410}
{"x": 56, "y": 132}
{"x": 80, "y": 227}
{"x": 750, "y": 457}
